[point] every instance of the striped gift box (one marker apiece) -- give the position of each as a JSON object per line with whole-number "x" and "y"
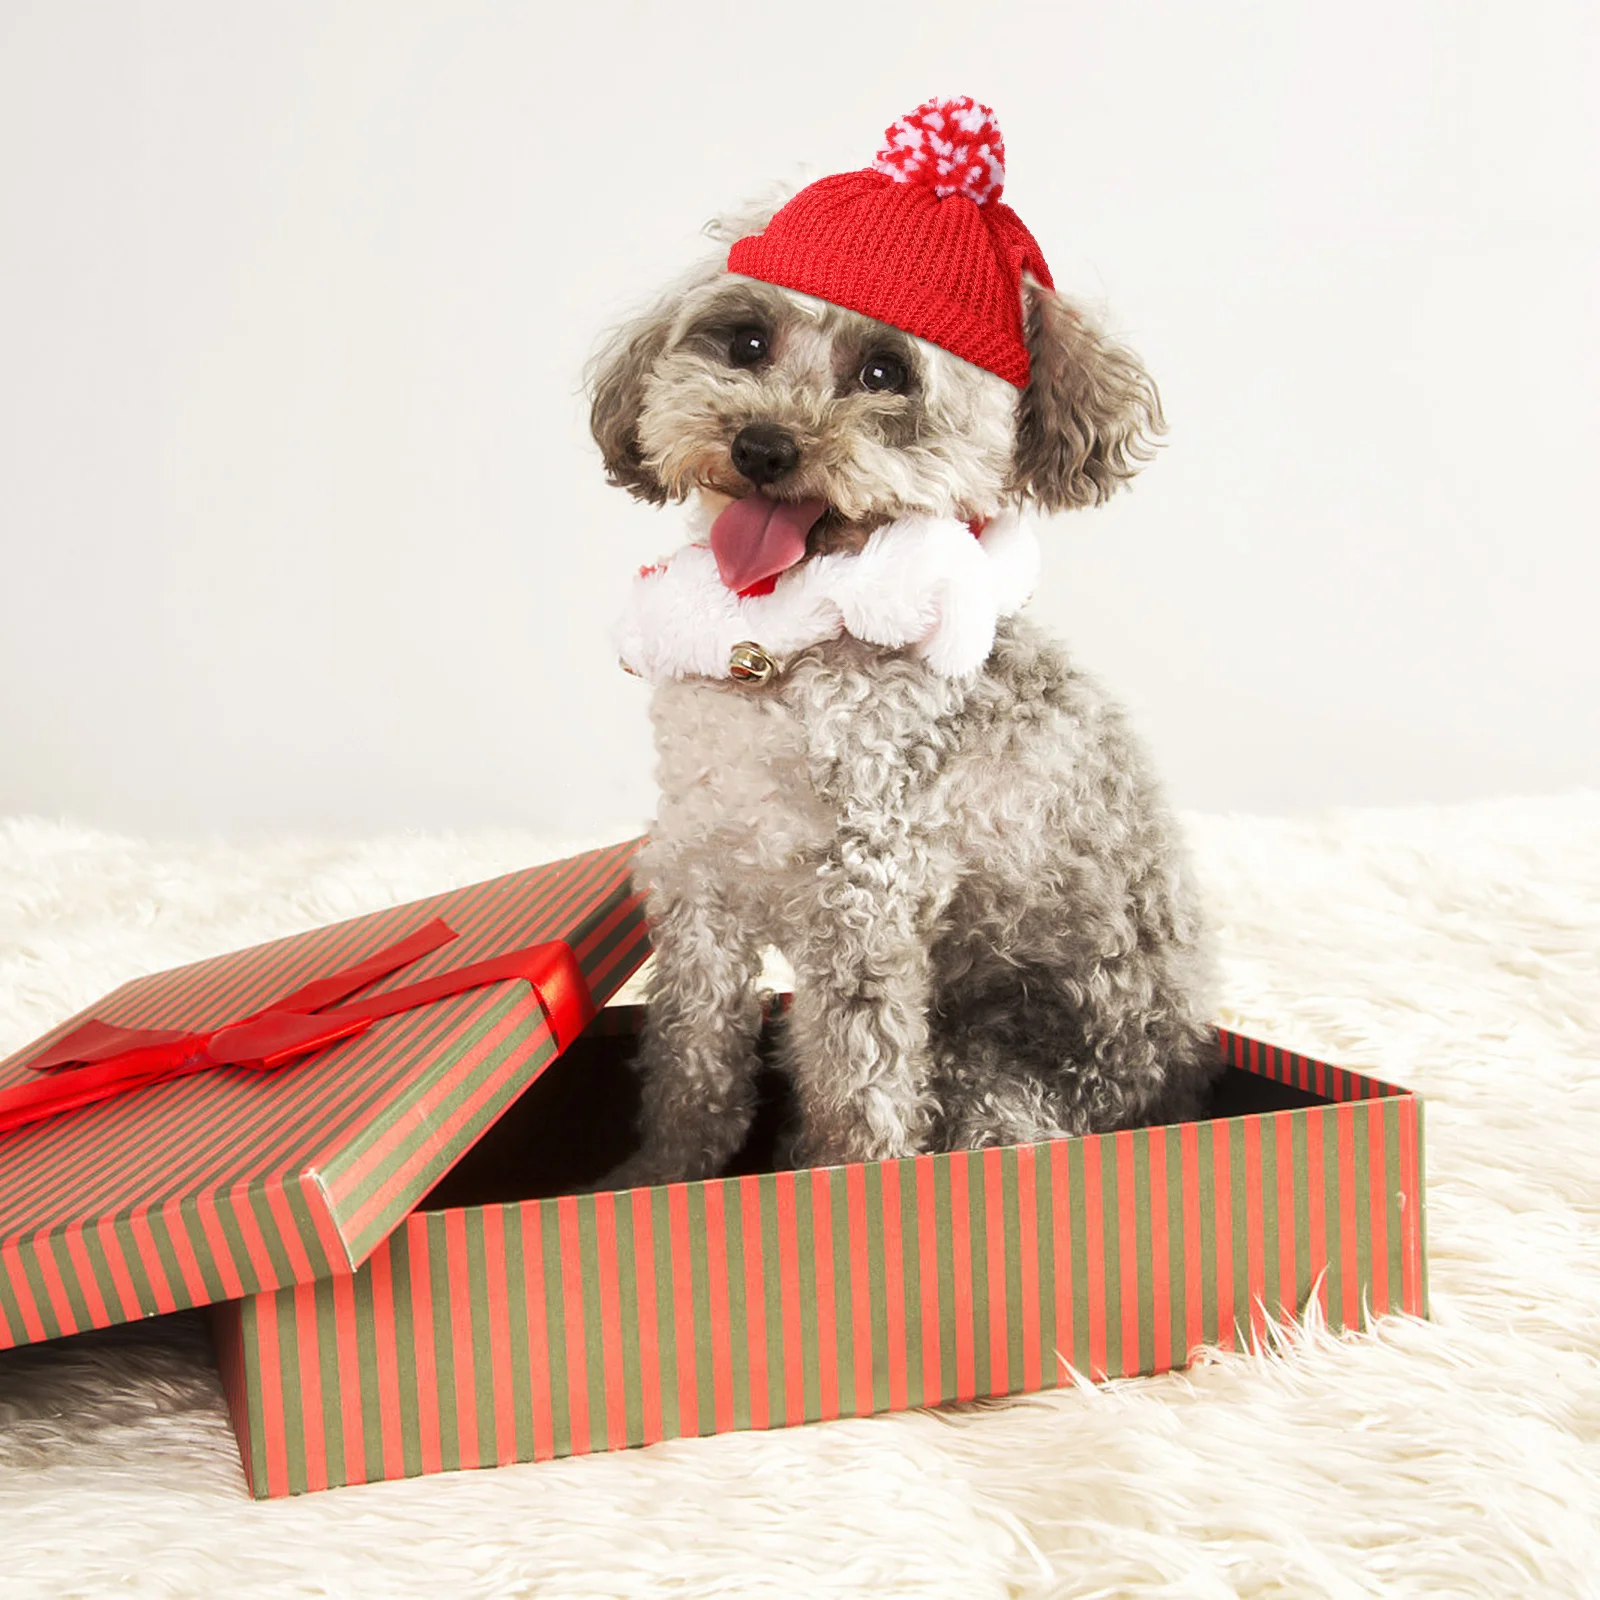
{"x": 476, "y": 1335}
{"x": 232, "y": 1181}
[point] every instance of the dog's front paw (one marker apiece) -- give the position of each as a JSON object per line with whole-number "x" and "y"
{"x": 847, "y": 1146}
{"x": 644, "y": 1169}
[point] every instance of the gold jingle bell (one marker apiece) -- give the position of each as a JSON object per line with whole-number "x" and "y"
{"x": 749, "y": 663}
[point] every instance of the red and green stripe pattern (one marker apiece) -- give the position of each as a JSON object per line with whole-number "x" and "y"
{"x": 230, "y": 1182}
{"x": 481, "y": 1336}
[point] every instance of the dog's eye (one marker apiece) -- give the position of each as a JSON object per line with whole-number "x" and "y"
{"x": 748, "y": 346}
{"x": 884, "y": 374}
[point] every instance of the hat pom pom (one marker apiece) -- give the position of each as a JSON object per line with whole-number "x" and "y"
{"x": 952, "y": 146}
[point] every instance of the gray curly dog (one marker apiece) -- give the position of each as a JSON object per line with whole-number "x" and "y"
{"x": 976, "y": 881}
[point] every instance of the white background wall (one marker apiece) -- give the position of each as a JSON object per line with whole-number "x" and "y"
{"x": 299, "y": 521}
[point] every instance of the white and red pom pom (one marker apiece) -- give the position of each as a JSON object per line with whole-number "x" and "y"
{"x": 953, "y": 146}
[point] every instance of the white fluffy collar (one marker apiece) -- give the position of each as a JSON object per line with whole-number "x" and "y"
{"x": 922, "y": 583}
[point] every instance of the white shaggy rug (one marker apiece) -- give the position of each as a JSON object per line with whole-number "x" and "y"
{"x": 1456, "y": 951}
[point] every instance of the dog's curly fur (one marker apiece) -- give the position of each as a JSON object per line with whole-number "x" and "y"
{"x": 979, "y": 887}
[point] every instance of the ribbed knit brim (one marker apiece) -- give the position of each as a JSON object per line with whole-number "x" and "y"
{"x": 947, "y": 270}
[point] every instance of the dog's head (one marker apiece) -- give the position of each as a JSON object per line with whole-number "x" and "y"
{"x": 734, "y": 386}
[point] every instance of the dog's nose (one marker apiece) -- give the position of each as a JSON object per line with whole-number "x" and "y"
{"x": 763, "y": 452}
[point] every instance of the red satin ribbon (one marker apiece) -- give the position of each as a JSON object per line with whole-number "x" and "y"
{"x": 99, "y": 1059}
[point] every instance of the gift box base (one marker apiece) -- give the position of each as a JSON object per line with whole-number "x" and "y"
{"x": 508, "y": 1318}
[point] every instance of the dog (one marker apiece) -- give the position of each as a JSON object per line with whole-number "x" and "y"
{"x": 969, "y": 865}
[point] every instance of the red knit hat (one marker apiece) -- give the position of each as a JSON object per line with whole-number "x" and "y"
{"x": 919, "y": 239}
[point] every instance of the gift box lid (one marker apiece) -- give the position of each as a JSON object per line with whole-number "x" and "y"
{"x": 229, "y": 1180}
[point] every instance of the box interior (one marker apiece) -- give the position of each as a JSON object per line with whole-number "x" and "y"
{"x": 576, "y": 1122}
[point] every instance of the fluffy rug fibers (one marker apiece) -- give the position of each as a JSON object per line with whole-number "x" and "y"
{"x": 1456, "y": 951}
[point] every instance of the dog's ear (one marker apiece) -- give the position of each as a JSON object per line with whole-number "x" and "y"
{"x": 617, "y": 380}
{"x": 619, "y": 372}
{"x": 1090, "y": 416}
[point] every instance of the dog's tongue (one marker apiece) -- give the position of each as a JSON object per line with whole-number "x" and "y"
{"x": 756, "y": 538}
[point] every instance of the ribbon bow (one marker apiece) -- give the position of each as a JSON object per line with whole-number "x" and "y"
{"x": 99, "y": 1059}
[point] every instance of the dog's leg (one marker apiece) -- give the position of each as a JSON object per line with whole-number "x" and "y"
{"x": 1148, "y": 1050}
{"x": 697, "y": 1054}
{"x": 860, "y": 939}
{"x": 1041, "y": 1049}
{"x": 858, "y": 1031}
